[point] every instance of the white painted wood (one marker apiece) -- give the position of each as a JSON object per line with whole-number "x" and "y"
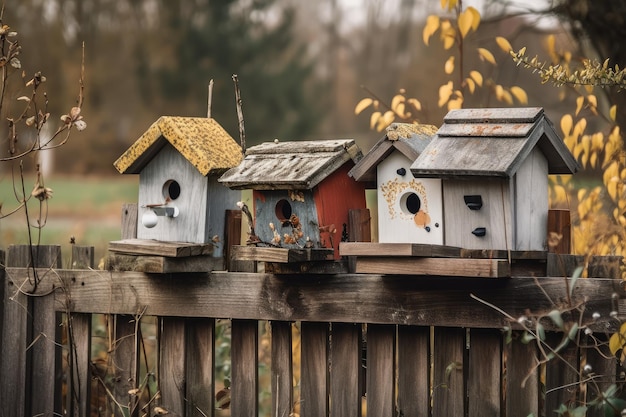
{"x": 496, "y": 214}
{"x": 396, "y": 223}
{"x": 219, "y": 199}
{"x": 531, "y": 202}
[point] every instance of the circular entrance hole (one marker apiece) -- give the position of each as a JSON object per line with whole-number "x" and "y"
{"x": 171, "y": 190}
{"x": 283, "y": 210}
{"x": 410, "y": 203}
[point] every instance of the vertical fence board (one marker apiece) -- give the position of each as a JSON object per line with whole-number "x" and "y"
{"x": 381, "y": 355}
{"x": 448, "y": 392}
{"x": 282, "y": 376}
{"x": 485, "y": 373}
{"x": 79, "y": 346}
{"x": 14, "y": 342}
{"x": 345, "y": 369}
{"x": 2, "y": 293}
{"x": 29, "y": 352}
{"x": 561, "y": 375}
{"x": 125, "y": 364}
{"x": 244, "y": 360}
{"x": 413, "y": 371}
{"x": 603, "y": 368}
{"x": 314, "y": 370}
{"x": 129, "y": 221}
{"x": 200, "y": 365}
{"x": 172, "y": 365}
{"x": 522, "y": 378}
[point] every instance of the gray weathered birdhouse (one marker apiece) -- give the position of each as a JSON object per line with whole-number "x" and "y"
{"x": 494, "y": 166}
{"x": 301, "y": 191}
{"x": 179, "y": 160}
{"x": 409, "y": 208}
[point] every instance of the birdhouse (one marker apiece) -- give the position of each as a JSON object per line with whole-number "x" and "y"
{"x": 179, "y": 160}
{"x": 494, "y": 166}
{"x": 301, "y": 192}
{"x": 409, "y": 208}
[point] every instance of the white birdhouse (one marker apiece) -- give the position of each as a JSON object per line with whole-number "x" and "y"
{"x": 494, "y": 166}
{"x": 409, "y": 207}
{"x": 178, "y": 160}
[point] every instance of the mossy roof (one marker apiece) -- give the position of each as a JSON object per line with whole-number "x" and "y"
{"x": 202, "y": 141}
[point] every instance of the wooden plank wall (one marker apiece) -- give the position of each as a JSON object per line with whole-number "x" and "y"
{"x": 346, "y": 367}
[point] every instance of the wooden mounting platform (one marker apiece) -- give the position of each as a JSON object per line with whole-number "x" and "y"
{"x": 160, "y": 248}
{"x": 281, "y": 255}
{"x": 152, "y": 256}
{"x": 424, "y": 259}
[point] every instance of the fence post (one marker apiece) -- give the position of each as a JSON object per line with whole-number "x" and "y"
{"x": 30, "y": 356}
{"x": 79, "y": 345}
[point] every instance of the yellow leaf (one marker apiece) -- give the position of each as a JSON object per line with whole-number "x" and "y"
{"x": 396, "y": 100}
{"x": 465, "y": 22}
{"x": 449, "y": 38}
{"x": 566, "y": 124}
{"x": 613, "y": 112}
{"x": 363, "y": 104}
{"x": 456, "y": 103}
{"x": 498, "y": 90}
{"x": 560, "y": 194}
{"x": 471, "y": 85}
{"x": 475, "y": 17}
{"x": 385, "y": 120}
{"x": 592, "y": 100}
{"x": 374, "y": 119}
{"x": 581, "y": 193}
{"x": 504, "y": 44}
{"x": 415, "y": 103}
{"x": 550, "y": 47}
{"x": 593, "y": 160}
{"x": 449, "y": 66}
{"x": 432, "y": 24}
{"x": 519, "y": 94}
{"x": 580, "y": 100}
{"x": 580, "y": 127}
{"x": 478, "y": 77}
{"x": 507, "y": 97}
{"x": 485, "y": 55}
{"x": 445, "y": 91}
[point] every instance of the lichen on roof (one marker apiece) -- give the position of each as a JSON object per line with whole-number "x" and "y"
{"x": 202, "y": 141}
{"x": 405, "y": 130}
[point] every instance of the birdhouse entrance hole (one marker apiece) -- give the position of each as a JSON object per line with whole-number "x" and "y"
{"x": 283, "y": 210}
{"x": 171, "y": 190}
{"x": 410, "y": 203}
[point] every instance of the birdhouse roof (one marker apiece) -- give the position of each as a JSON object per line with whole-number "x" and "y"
{"x": 492, "y": 142}
{"x": 290, "y": 165}
{"x": 202, "y": 141}
{"x": 408, "y": 138}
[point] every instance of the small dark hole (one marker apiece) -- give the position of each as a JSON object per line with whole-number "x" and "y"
{"x": 413, "y": 203}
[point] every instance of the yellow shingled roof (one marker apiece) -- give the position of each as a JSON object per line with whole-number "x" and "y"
{"x": 202, "y": 141}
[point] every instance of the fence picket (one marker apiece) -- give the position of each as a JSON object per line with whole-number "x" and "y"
{"x": 413, "y": 371}
{"x": 345, "y": 369}
{"x": 244, "y": 359}
{"x": 79, "y": 345}
{"x": 282, "y": 375}
{"x": 448, "y": 362}
{"x": 485, "y": 373}
{"x": 381, "y": 356}
{"x": 522, "y": 378}
{"x": 172, "y": 365}
{"x": 314, "y": 369}
{"x": 200, "y": 348}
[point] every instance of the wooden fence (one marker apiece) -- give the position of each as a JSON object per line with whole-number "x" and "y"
{"x": 370, "y": 345}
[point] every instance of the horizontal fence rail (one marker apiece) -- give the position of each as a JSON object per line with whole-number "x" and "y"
{"x": 242, "y": 344}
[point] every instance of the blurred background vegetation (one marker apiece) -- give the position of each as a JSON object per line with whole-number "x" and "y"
{"x": 302, "y": 67}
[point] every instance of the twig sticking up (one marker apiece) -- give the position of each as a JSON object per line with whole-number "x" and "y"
{"x": 209, "y": 99}
{"x": 242, "y": 130}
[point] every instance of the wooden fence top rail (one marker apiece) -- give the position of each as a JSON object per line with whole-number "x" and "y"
{"x": 351, "y": 298}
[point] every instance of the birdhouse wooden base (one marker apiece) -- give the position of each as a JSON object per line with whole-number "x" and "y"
{"x": 291, "y": 261}
{"x": 152, "y": 256}
{"x": 439, "y": 260}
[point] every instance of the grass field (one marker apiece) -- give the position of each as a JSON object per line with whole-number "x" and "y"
{"x": 88, "y": 208}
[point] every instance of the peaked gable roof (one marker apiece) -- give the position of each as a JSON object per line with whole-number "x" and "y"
{"x": 202, "y": 141}
{"x": 492, "y": 142}
{"x": 408, "y": 138}
{"x": 290, "y": 165}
